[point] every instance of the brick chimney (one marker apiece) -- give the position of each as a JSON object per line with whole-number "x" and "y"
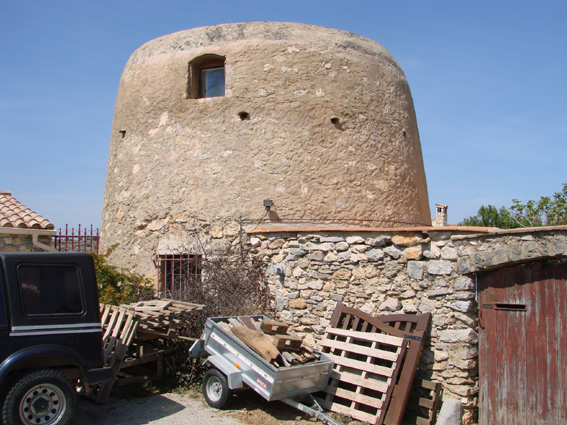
{"x": 440, "y": 215}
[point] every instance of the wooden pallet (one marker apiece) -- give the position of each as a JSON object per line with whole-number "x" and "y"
{"x": 429, "y": 401}
{"x": 159, "y": 318}
{"x": 119, "y": 326}
{"x": 126, "y": 331}
{"x": 364, "y": 374}
{"x": 413, "y": 328}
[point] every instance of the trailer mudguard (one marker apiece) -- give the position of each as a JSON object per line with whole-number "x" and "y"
{"x": 233, "y": 374}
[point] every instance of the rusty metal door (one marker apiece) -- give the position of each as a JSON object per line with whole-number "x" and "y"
{"x": 523, "y": 345}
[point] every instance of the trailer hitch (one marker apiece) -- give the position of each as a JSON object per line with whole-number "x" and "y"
{"x": 312, "y": 408}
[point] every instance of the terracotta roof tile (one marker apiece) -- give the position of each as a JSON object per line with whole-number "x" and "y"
{"x": 14, "y": 214}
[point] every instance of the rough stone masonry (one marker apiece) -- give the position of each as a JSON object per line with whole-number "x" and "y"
{"x": 401, "y": 271}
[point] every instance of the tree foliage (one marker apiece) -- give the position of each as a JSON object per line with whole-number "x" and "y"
{"x": 548, "y": 211}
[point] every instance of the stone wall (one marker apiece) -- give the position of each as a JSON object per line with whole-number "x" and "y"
{"x": 381, "y": 272}
{"x": 21, "y": 243}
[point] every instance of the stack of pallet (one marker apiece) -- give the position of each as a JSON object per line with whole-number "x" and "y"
{"x": 135, "y": 336}
{"x": 159, "y": 318}
{"x": 270, "y": 340}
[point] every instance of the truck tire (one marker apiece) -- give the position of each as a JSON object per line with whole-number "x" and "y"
{"x": 215, "y": 389}
{"x": 44, "y": 397}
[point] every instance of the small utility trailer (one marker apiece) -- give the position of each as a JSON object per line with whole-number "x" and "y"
{"x": 236, "y": 366}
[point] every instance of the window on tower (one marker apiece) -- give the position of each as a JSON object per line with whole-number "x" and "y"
{"x": 206, "y": 77}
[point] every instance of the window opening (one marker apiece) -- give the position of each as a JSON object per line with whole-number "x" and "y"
{"x": 206, "y": 77}
{"x": 50, "y": 290}
{"x": 178, "y": 272}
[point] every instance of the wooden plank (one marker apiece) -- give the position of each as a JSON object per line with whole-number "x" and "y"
{"x": 366, "y": 351}
{"x": 367, "y": 336}
{"x": 288, "y": 358}
{"x": 425, "y": 402}
{"x": 355, "y": 364}
{"x": 114, "y": 333}
{"x": 225, "y": 327}
{"x": 257, "y": 341}
{"x": 358, "y": 380}
{"x": 342, "y": 311}
{"x": 355, "y": 397}
{"x": 104, "y": 314}
{"x": 247, "y": 321}
{"x": 110, "y": 325}
{"x": 233, "y": 322}
{"x": 344, "y": 410}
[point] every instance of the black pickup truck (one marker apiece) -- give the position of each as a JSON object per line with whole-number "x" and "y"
{"x": 50, "y": 336}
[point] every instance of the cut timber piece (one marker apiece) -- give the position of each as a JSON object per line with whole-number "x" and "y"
{"x": 235, "y": 322}
{"x": 287, "y": 342}
{"x": 226, "y": 327}
{"x": 271, "y": 327}
{"x": 287, "y": 356}
{"x": 257, "y": 341}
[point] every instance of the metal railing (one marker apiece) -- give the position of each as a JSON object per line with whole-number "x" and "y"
{"x": 82, "y": 241}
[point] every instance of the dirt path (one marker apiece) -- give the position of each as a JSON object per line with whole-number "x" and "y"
{"x": 161, "y": 409}
{"x": 247, "y": 408}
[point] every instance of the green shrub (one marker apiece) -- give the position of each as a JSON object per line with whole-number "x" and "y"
{"x": 117, "y": 286}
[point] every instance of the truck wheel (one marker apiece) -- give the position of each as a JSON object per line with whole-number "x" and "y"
{"x": 215, "y": 389}
{"x": 44, "y": 397}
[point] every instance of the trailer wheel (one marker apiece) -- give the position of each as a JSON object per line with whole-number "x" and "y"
{"x": 44, "y": 397}
{"x": 215, "y": 389}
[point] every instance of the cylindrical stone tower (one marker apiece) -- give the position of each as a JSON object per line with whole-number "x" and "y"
{"x": 212, "y": 121}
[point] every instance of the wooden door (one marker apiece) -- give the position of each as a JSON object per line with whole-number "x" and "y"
{"x": 523, "y": 345}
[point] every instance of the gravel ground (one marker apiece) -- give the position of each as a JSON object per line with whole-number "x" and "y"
{"x": 163, "y": 409}
{"x": 131, "y": 407}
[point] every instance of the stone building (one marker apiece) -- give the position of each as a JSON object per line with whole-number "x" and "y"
{"x": 211, "y": 122}
{"x": 21, "y": 229}
{"x": 302, "y": 141}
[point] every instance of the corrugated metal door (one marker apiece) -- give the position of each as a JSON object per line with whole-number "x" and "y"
{"x": 523, "y": 345}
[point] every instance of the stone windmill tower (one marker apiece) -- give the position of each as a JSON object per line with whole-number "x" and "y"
{"x": 284, "y": 122}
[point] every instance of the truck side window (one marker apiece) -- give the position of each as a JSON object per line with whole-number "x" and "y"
{"x": 50, "y": 290}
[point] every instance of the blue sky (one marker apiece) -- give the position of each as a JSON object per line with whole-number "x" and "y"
{"x": 488, "y": 79}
